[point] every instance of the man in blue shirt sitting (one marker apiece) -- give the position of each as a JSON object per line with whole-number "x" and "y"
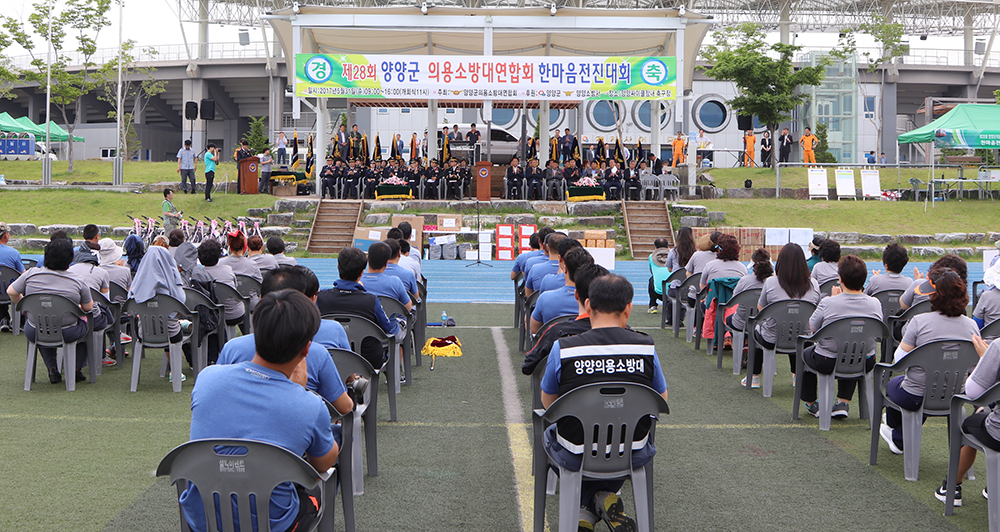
{"x": 557, "y": 280}
{"x": 265, "y": 400}
{"x": 543, "y": 256}
{"x": 561, "y": 301}
{"x": 392, "y": 267}
{"x": 323, "y": 377}
{"x": 523, "y": 257}
{"x": 533, "y": 280}
{"x": 10, "y": 258}
{"x": 380, "y": 283}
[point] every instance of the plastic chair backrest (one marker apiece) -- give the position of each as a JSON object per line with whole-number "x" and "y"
{"x": 7, "y": 275}
{"x": 29, "y": 263}
{"x": 857, "y": 338}
{"x": 976, "y": 294}
{"x": 154, "y": 317}
{"x": 224, "y": 292}
{"x": 747, "y": 297}
{"x": 536, "y": 383}
{"x": 45, "y": 312}
{"x": 358, "y": 328}
{"x": 827, "y": 287}
{"x": 946, "y": 363}
{"x": 694, "y": 280}
{"x": 392, "y": 306}
{"x": 117, "y": 293}
{"x": 608, "y": 412}
{"x": 98, "y": 297}
{"x": 677, "y": 275}
{"x": 791, "y": 318}
{"x": 256, "y": 473}
{"x": 193, "y": 298}
{"x": 991, "y": 330}
{"x": 246, "y": 285}
{"x": 529, "y": 303}
{"x": 348, "y": 363}
{"x": 908, "y": 314}
{"x": 889, "y": 300}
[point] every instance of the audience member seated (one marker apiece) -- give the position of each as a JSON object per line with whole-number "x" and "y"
{"x": 761, "y": 270}
{"x": 266, "y": 399}
{"x": 894, "y": 259}
{"x": 523, "y": 257}
{"x": 393, "y": 268}
{"x": 10, "y": 258}
{"x": 406, "y": 261}
{"x": 829, "y": 252}
{"x": 557, "y": 280}
{"x": 110, "y": 257}
{"x": 134, "y": 249}
{"x": 158, "y": 275}
{"x": 89, "y": 247}
{"x": 947, "y": 321}
{"x": 542, "y": 257}
{"x": 406, "y": 230}
{"x": 377, "y": 282}
{"x": 708, "y": 246}
{"x": 658, "y": 272}
{"x": 848, "y": 301}
{"x": 791, "y": 281}
{"x": 96, "y": 278}
{"x": 561, "y": 301}
{"x": 584, "y": 276}
{"x": 174, "y": 239}
{"x": 726, "y": 264}
{"x": 276, "y": 247}
{"x": 54, "y": 279}
{"x": 609, "y": 305}
{"x": 988, "y": 307}
{"x": 323, "y": 377}
{"x": 209, "y": 253}
{"x": 348, "y": 296}
{"x": 240, "y": 264}
{"x": 814, "y": 258}
{"x": 678, "y": 258}
{"x": 919, "y": 291}
{"x": 540, "y": 270}
{"x": 264, "y": 261}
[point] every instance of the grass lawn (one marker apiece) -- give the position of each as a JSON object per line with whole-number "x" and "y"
{"x": 100, "y": 171}
{"x": 796, "y": 177}
{"x": 881, "y": 217}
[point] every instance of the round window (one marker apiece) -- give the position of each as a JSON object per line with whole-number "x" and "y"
{"x": 604, "y": 114}
{"x": 710, "y": 113}
{"x": 501, "y": 117}
{"x": 555, "y": 117}
{"x": 641, "y": 115}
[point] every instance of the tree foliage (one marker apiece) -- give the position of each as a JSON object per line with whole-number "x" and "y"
{"x": 257, "y": 137}
{"x": 765, "y": 77}
{"x": 73, "y": 70}
{"x": 823, "y": 155}
{"x": 138, "y": 85}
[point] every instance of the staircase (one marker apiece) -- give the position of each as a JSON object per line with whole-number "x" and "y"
{"x": 645, "y": 221}
{"x": 334, "y": 225}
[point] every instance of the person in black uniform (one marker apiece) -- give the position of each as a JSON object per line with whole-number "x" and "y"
{"x": 243, "y": 153}
{"x": 369, "y": 180}
{"x": 632, "y": 185}
{"x": 413, "y": 176}
{"x": 552, "y": 173}
{"x": 613, "y": 181}
{"x": 534, "y": 176}
{"x": 433, "y": 181}
{"x": 765, "y": 150}
{"x": 514, "y": 176}
{"x": 454, "y": 178}
{"x": 351, "y": 179}
{"x": 328, "y": 175}
{"x": 466, "y": 172}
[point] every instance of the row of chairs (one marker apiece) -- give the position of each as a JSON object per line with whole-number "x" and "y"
{"x": 523, "y": 307}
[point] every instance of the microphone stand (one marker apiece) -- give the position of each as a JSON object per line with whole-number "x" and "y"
{"x": 479, "y": 228}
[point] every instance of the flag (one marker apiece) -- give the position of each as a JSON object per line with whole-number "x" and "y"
{"x": 310, "y": 157}
{"x": 600, "y": 149}
{"x": 295, "y": 151}
{"x": 639, "y": 155}
{"x": 378, "y": 149}
{"x": 576, "y": 149}
{"x": 530, "y": 149}
{"x": 365, "y": 154}
{"x": 414, "y": 150}
{"x": 445, "y": 152}
{"x": 619, "y": 153}
{"x": 554, "y": 148}
{"x": 394, "y": 153}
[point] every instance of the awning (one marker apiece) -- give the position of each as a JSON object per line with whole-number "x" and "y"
{"x": 968, "y": 125}
{"x": 24, "y": 124}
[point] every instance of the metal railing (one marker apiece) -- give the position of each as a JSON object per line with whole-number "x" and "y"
{"x": 168, "y": 52}
{"x": 916, "y": 56}
{"x": 959, "y": 170}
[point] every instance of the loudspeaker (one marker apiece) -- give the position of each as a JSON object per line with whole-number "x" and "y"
{"x": 208, "y": 109}
{"x": 742, "y": 122}
{"x": 191, "y": 111}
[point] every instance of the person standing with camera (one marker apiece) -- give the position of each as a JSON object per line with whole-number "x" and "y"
{"x": 211, "y": 159}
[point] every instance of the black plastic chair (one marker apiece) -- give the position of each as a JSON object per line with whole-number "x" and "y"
{"x": 114, "y": 324}
{"x": 523, "y": 334}
{"x": 946, "y": 365}
{"x": 7, "y": 276}
{"x": 677, "y": 275}
{"x": 45, "y": 312}
{"x": 681, "y": 299}
{"x": 699, "y": 322}
{"x": 223, "y": 291}
{"x": 856, "y": 337}
{"x": 546, "y": 325}
{"x": 898, "y": 321}
{"x": 420, "y": 331}
{"x": 29, "y": 263}
{"x": 192, "y": 299}
{"x": 350, "y": 463}
{"x": 749, "y": 298}
{"x": 827, "y": 288}
{"x": 358, "y": 328}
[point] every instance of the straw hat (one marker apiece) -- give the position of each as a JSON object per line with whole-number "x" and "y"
{"x": 704, "y": 243}
{"x": 659, "y": 256}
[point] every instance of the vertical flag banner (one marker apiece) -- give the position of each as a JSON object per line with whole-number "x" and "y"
{"x": 476, "y": 78}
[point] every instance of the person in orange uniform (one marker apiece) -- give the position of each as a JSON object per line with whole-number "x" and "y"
{"x": 808, "y": 142}
{"x": 749, "y": 142}
{"x": 678, "y": 148}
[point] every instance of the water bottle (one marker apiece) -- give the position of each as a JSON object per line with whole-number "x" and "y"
{"x": 444, "y": 317}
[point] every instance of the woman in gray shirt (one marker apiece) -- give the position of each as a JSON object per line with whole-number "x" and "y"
{"x": 208, "y": 254}
{"x": 678, "y": 258}
{"x": 762, "y": 269}
{"x": 947, "y": 321}
{"x": 846, "y": 302}
{"x": 790, "y": 281}
{"x": 914, "y": 296}
{"x": 240, "y": 264}
{"x": 894, "y": 258}
{"x": 829, "y": 252}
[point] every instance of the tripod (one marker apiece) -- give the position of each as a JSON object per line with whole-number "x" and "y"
{"x": 479, "y": 227}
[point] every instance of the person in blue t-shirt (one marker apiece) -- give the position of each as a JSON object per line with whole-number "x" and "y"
{"x": 533, "y": 279}
{"x": 554, "y": 281}
{"x": 324, "y": 378}
{"x": 10, "y": 258}
{"x": 523, "y": 257}
{"x": 392, "y": 267}
{"x": 265, "y": 400}
{"x": 211, "y": 158}
{"x": 377, "y": 282}
{"x": 543, "y": 235}
{"x": 561, "y": 301}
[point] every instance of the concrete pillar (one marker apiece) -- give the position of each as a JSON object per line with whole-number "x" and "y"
{"x": 275, "y": 105}
{"x": 140, "y": 117}
{"x": 195, "y": 90}
{"x": 432, "y": 129}
{"x": 322, "y": 120}
{"x": 889, "y": 135}
{"x": 202, "y": 29}
{"x": 785, "y": 22}
{"x": 655, "y": 114}
{"x": 970, "y": 39}
{"x": 543, "y": 132}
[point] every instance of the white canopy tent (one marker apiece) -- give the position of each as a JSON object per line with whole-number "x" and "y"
{"x": 422, "y": 29}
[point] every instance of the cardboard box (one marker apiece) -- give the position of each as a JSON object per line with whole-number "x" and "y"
{"x": 591, "y": 243}
{"x": 591, "y": 234}
{"x": 283, "y": 191}
{"x": 417, "y": 222}
{"x": 598, "y": 243}
{"x": 366, "y": 236}
{"x": 609, "y": 243}
{"x": 449, "y": 222}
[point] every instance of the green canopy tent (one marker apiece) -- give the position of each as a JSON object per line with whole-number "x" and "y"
{"x": 29, "y": 126}
{"x": 25, "y": 125}
{"x": 8, "y": 124}
{"x": 967, "y": 125}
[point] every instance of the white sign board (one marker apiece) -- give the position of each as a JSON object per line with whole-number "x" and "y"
{"x": 871, "y": 186}
{"x": 775, "y": 236}
{"x": 819, "y": 185}
{"x": 603, "y": 257}
{"x": 845, "y": 182}
{"x": 989, "y": 255}
{"x": 801, "y": 236}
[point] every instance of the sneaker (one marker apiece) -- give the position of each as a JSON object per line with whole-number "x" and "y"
{"x": 886, "y": 432}
{"x": 170, "y": 377}
{"x": 208, "y": 200}
{"x": 612, "y": 511}
{"x": 126, "y": 339}
{"x": 986, "y": 495}
{"x": 54, "y": 376}
{"x": 5, "y": 325}
{"x": 840, "y": 409}
{"x": 813, "y": 408}
{"x": 755, "y": 383}
{"x": 108, "y": 361}
{"x": 942, "y": 493}
{"x": 653, "y": 309}
{"x": 585, "y": 526}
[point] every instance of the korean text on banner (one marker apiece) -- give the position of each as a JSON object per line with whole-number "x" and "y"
{"x": 478, "y": 78}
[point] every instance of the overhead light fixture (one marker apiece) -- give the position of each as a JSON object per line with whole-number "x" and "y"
{"x": 552, "y": 10}
{"x": 681, "y": 11}
{"x": 923, "y": 37}
{"x": 244, "y": 37}
{"x": 423, "y": 8}
{"x": 295, "y": 8}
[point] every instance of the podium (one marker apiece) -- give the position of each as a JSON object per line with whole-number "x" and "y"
{"x": 249, "y": 174}
{"x": 483, "y": 183}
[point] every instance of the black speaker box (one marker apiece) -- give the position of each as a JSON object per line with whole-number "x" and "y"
{"x": 208, "y": 109}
